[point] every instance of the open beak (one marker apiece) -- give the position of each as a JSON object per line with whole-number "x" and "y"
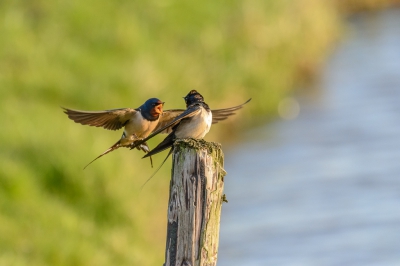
{"x": 158, "y": 109}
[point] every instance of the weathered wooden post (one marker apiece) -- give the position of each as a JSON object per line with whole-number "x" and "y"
{"x": 195, "y": 202}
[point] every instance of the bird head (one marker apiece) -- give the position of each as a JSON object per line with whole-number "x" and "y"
{"x": 152, "y": 106}
{"x": 193, "y": 97}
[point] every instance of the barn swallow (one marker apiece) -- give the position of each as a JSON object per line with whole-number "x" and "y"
{"x": 138, "y": 123}
{"x": 194, "y": 122}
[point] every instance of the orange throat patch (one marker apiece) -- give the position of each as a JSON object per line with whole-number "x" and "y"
{"x": 157, "y": 110}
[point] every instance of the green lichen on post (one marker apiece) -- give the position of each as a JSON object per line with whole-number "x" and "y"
{"x": 197, "y": 144}
{"x": 213, "y": 149}
{"x": 224, "y": 199}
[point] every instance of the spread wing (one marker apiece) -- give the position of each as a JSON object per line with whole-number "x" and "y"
{"x": 109, "y": 119}
{"x": 170, "y": 118}
{"x": 222, "y": 114}
{"x": 166, "y": 118}
{"x": 218, "y": 115}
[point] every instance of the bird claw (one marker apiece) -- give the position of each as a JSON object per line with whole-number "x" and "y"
{"x": 135, "y": 144}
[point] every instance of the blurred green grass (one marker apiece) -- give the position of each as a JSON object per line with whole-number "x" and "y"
{"x": 97, "y": 55}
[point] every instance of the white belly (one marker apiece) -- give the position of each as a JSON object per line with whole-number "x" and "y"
{"x": 140, "y": 126}
{"x": 196, "y": 127}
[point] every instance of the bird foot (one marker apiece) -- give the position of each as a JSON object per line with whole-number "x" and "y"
{"x": 135, "y": 144}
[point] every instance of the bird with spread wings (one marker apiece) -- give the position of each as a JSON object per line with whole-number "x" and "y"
{"x": 139, "y": 124}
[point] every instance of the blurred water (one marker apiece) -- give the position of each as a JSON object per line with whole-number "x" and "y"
{"x": 324, "y": 189}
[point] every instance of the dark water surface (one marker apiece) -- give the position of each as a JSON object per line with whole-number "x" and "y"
{"x": 324, "y": 189}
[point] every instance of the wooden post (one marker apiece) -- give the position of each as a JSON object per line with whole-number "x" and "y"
{"x": 195, "y": 202}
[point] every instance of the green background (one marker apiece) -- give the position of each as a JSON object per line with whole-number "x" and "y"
{"x": 95, "y": 55}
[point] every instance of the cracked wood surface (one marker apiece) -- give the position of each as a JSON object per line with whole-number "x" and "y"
{"x": 194, "y": 209}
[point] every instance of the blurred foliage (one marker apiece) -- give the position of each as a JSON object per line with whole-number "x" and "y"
{"x": 107, "y": 54}
{"x": 351, "y": 6}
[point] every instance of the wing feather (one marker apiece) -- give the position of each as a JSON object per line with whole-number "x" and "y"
{"x": 167, "y": 117}
{"x": 222, "y": 114}
{"x": 109, "y": 119}
{"x": 218, "y": 115}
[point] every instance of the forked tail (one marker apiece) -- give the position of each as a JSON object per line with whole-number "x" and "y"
{"x": 113, "y": 147}
{"x": 169, "y": 153}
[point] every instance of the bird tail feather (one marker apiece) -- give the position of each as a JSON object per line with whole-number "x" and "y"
{"x": 112, "y": 148}
{"x": 169, "y": 153}
{"x": 144, "y": 147}
{"x": 165, "y": 144}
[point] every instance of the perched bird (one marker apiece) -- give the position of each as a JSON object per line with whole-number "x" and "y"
{"x": 194, "y": 122}
{"x": 138, "y": 123}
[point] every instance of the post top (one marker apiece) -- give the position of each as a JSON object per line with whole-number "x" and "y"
{"x": 198, "y": 144}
